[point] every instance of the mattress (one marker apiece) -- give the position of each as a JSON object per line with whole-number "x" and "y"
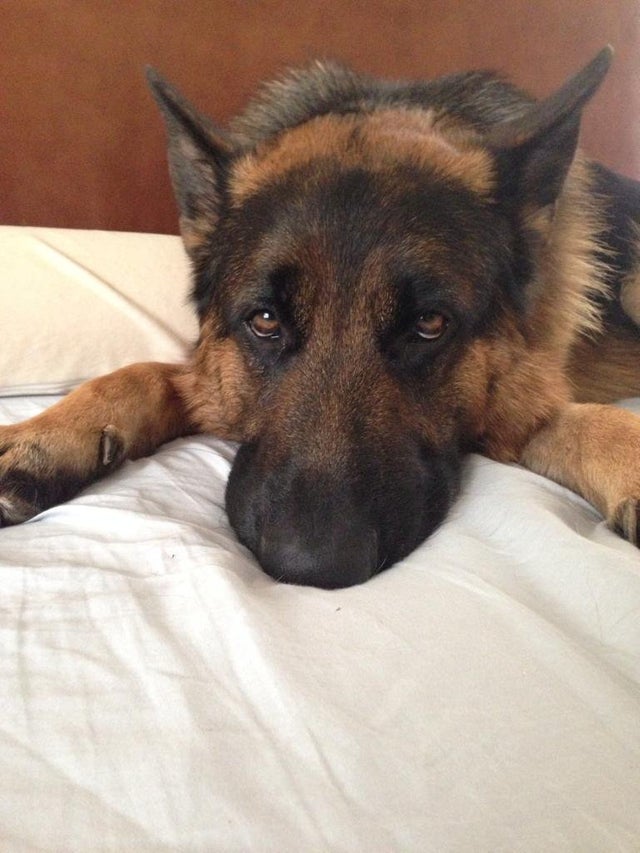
{"x": 158, "y": 692}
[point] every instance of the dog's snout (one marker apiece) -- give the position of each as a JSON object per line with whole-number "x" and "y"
{"x": 336, "y": 531}
{"x": 302, "y": 528}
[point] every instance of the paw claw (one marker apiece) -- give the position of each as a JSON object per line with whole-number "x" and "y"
{"x": 43, "y": 464}
{"x": 626, "y": 520}
{"x": 16, "y": 511}
{"x": 111, "y": 447}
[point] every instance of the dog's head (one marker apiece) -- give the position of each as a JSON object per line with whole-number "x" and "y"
{"x": 357, "y": 254}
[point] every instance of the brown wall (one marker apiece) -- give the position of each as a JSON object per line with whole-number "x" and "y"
{"x": 81, "y": 144}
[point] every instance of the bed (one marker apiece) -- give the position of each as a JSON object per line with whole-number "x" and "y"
{"x": 159, "y": 692}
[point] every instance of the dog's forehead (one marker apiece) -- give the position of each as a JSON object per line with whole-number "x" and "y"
{"x": 350, "y": 208}
{"x": 376, "y": 141}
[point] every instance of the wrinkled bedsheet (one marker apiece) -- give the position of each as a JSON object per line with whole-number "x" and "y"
{"x": 159, "y": 692}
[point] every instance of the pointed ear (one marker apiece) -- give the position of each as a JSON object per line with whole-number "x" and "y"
{"x": 534, "y": 151}
{"x": 199, "y": 153}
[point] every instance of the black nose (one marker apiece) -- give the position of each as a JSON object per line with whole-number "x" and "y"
{"x": 337, "y": 528}
{"x": 302, "y": 528}
{"x": 344, "y": 555}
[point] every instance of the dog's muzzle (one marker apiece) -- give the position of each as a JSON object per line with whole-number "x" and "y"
{"x": 336, "y": 530}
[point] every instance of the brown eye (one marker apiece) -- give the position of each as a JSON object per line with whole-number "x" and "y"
{"x": 431, "y": 326}
{"x": 264, "y": 324}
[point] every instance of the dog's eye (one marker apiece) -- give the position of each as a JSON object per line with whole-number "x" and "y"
{"x": 431, "y": 326}
{"x": 264, "y": 324}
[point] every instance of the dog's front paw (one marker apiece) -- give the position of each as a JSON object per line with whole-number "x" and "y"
{"x": 626, "y": 520}
{"x": 41, "y": 467}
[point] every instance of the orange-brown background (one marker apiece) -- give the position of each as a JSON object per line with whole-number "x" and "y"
{"x": 81, "y": 144}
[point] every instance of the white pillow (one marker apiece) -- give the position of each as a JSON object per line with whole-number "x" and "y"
{"x": 77, "y": 304}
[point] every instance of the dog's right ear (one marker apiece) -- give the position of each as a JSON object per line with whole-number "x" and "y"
{"x": 199, "y": 153}
{"x": 535, "y": 150}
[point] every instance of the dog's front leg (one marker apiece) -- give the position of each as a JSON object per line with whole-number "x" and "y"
{"x": 51, "y": 457}
{"x": 594, "y": 450}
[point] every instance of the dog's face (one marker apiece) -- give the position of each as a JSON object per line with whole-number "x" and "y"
{"x": 357, "y": 342}
{"x": 353, "y": 274}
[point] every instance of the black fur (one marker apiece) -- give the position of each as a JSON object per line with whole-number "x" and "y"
{"x": 619, "y": 199}
{"x": 481, "y": 99}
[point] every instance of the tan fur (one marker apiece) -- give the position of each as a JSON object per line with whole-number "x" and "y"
{"x": 605, "y": 369}
{"x": 195, "y": 232}
{"x": 525, "y": 369}
{"x": 216, "y": 390}
{"x": 630, "y": 290}
{"x": 374, "y": 141}
{"x": 525, "y": 389}
{"x": 140, "y": 400}
{"x": 528, "y": 367}
{"x": 124, "y": 415}
{"x": 569, "y": 276}
{"x": 593, "y": 450}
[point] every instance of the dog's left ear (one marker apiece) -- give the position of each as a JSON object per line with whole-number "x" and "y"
{"x": 534, "y": 151}
{"x": 199, "y": 153}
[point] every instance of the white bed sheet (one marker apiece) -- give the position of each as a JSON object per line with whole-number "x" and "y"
{"x": 158, "y": 692}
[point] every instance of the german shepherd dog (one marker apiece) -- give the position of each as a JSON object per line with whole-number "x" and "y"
{"x": 387, "y": 275}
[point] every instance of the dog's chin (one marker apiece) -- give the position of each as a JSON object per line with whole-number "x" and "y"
{"x": 302, "y": 568}
{"x": 328, "y": 535}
